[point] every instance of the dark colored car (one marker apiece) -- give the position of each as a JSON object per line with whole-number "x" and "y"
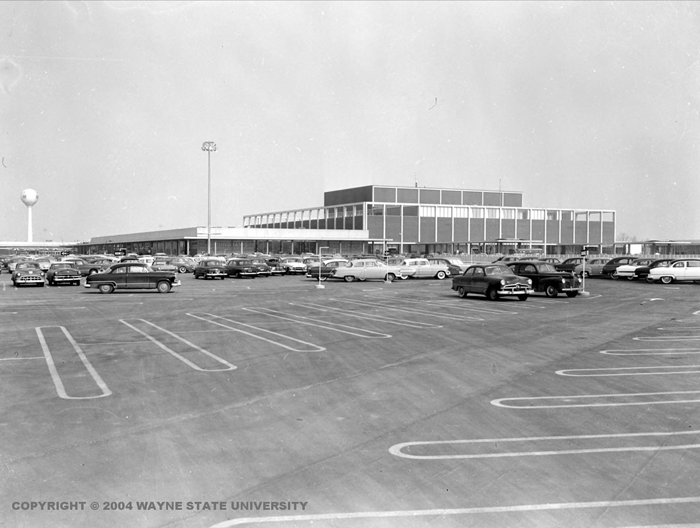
{"x": 63, "y": 273}
{"x": 84, "y": 266}
{"x": 210, "y": 269}
{"x": 569, "y": 264}
{"x": 262, "y": 268}
{"x": 493, "y": 281}
{"x": 326, "y": 269}
{"x": 610, "y": 269}
{"x": 183, "y": 264}
{"x": 545, "y": 278}
{"x": 27, "y": 272}
{"x": 240, "y": 267}
{"x": 132, "y": 276}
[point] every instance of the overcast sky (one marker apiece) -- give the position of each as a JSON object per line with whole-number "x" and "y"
{"x": 104, "y": 107}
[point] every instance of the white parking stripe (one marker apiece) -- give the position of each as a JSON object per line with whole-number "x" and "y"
{"x": 228, "y": 366}
{"x": 373, "y": 317}
{"x": 409, "y": 310}
{"x": 336, "y": 327}
{"x": 457, "y": 511}
{"x": 311, "y": 346}
{"x": 499, "y": 402}
{"x": 651, "y": 351}
{"x": 623, "y": 371}
{"x": 397, "y": 450}
{"x": 60, "y": 389}
{"x": 667, "y": 338}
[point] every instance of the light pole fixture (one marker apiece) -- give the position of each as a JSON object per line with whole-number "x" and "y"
{"x": 209, "y": 147}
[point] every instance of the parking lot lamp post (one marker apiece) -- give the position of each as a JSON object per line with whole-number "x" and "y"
{"x": 320, "y": 286}
{"x": 209, "y": 147}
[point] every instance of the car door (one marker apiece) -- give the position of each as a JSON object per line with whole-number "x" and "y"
{"x": 373, "y": 270}
{"x": 477, "y": 281}
{"x": 119, "y": 277}
{"x": 692, "y": 270}
{"x": 137, "y": 277}
{"x": 678, "y": 270}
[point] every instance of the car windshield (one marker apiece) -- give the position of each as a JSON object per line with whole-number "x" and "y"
{"x": 210, "y": 263}
{"x": 545, "y": 268}
{"x": 65, "y": 265}
{"x": 27, "y": 265}
{"x": 498, "y": 270}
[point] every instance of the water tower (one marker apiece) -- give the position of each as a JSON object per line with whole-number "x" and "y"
{"x": 29, "y": 197}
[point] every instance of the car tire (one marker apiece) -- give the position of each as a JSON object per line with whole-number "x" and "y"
{"x": 349, "y": 278}
{"x": 522, "y": 297}
{"x": 182, "y": 269}
{"x": 15, "y": 284}
{"x": 551, "y": 291}
{"x": 105, "y": 288}
{"x": 492, "y": 295}
{"x": 572, "y": 294}
{"x": 441, "y": 275}
{"x": 163, "y": 287}
{"x": 667, "y": 279}
{"x": 650, "y": 280}
{"x": 93, "y": 271}
{"x": 461, "y": 292}
{"x": 586, "y": 275}
{"x": 390, "y": 277}
{"x": 631, "y": 278}
{"x": 614, "y": 275}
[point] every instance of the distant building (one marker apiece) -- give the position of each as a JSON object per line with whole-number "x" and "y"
{"x": 433, "y": 220}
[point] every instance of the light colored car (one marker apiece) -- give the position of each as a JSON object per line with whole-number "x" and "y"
{"x": 366, "y": 269}
{"x": 629, "y": 271}
{"x": 593, "y": 267}
{"x": 293, "y": 265}
{"x": 678, "y": 270}
{"x": 326, "y": 269}
{"x": 424, "y": 269}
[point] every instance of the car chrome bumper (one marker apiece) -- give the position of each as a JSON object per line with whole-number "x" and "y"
{"x": 66, "y": 278}
{"x": 513, "y": 291}
{"x": 27, "y": 280}
{"x": 213, "y": 274}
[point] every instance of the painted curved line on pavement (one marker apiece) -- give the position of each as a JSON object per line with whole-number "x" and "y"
{"x": 58, "y": 383}
{"x": 186, "y": 361}
{"x": 397, "y": 450}
{"x": 651, "y": 351}
{"x": 457, "y": 511}
{"x": 624, "y": 371}
{"x": 499, "y": 402}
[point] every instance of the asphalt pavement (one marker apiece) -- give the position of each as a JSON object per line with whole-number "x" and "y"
{"x": 366, "y": 404}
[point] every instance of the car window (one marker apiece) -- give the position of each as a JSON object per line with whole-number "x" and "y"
{"x": 679, "y": 265}
{"x": 694, "y": 264}
{"x": 528, "y": 268}
{"x": 546, "y": 268}
{"x": 121, "y": 269}
{"x": 479, "y": 272}
{"x": 497, "y": 270}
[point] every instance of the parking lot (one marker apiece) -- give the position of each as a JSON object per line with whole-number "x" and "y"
{"x": 365, "y": 404}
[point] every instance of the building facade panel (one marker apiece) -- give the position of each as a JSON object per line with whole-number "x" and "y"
{"x": 512, "y": 199}
{"x": 476, "y": 230}
{"x": 429, "y": 196}
{"x": 407, "y": 195}
{"x": 345, "y": 196}
{"x": 384, "y": 194}
{"x": 410, "y": 229}
{"x": 492, "y": 198}
{"x": 493, "y": 229}
{"x": 427, "y": 230}
{"x": 444, "y": 230}
{"x": 393, "y": 228}
{"x": 375, "y": 227}
{"x": 451, "y": 197}
{"x": 472, "y": 198}
{"x": 462, "y": 230}
{"x": 508, "y": 228}
{"x": 523, "y": 229}
{"x": 594, "y": 235}
{"x": 538, "y": 228}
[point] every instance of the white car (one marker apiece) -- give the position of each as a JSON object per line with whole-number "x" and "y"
{"x": 366, "y": 269}
{"x": 423, "y": 269}
{"x": 629, "y": 271}
{"x": 293, "y": 265}
{"x": 678, "y": 270}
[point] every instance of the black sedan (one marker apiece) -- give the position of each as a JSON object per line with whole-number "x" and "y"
{"x": 210, "y": 269}
{"x": 493, "y": 281}
{"x": 132, "y": 276}
{"x": 545, "y": 278}
{"x": 63, "y": 273}
{"x": 569, "y": 264}
{"x": 27, "y": 272}
{"x": 240, "y": 267}
{"x": 610, "y": 268}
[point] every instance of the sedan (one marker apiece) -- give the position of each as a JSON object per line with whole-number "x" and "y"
{"x": 132, "y": 276}
{"x": 629, "y": 271}
{"x": 677, "y": 270}
{"x": 326, "y": 269}
{"x": 27, "y": 272}
{"x": 610, "y": 268}
{"x": 593, "y": 267}
{"x": 239, "y": 267}
{"x": 184, "y": 264}
{"x": 493, "y": 281}
{"x": 293, "y": 265}
{"x": 569, "y": 264}
{"x": 545, "y": 278}
{"x": 424, "y": 269}
{"x": 63, "y": 273}
{"x": 210, "y": 269}
{"x": 161, "y": 264}
{"x": 366, "y": 269}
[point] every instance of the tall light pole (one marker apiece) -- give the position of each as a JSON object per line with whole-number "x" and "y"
{"x": 209, "y": 147}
